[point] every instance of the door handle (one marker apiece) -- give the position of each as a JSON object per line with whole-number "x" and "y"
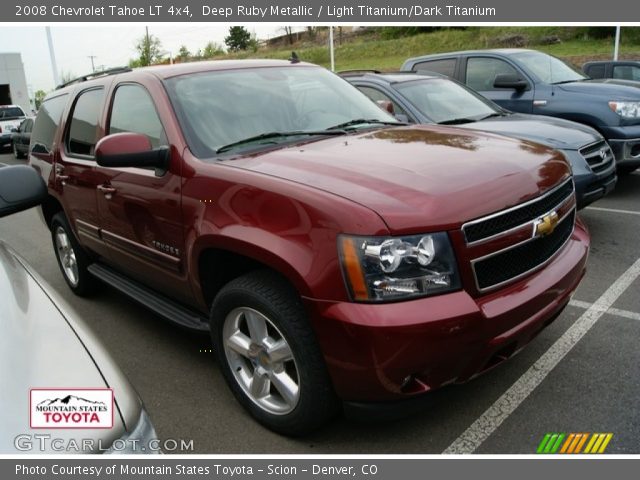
{"x": 106, "y": 189}
{"x": 62, "y": 178}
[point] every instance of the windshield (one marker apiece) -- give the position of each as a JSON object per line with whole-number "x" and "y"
{"x": 443, "y": 100}
{"x": 547, "y": 68}
{"x": 218, "y": 108}
{"x": 8, "y": 113}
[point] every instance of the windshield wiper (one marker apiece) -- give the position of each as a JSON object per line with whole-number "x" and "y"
{"x": 491, "y": 115}
{"x": 569, "y": 81}
{"x": 457, "y": 121}
{"x": 268, "y": 135}
{"x": 362, "y": 121}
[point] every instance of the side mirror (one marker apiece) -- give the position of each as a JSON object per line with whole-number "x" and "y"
{"x": 386, "y": 105}
{"x": 15, "y": 130}
{"x": 21, "y": 187}
{"x": 509, "y": 80}
{"x": 128, "y": 149}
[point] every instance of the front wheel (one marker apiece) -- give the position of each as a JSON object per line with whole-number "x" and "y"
{"x": 269, "y": 355}
{"x": 72, "y": 259}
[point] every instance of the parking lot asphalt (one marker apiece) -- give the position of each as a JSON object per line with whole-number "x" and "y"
{"x": 581, "y": 374}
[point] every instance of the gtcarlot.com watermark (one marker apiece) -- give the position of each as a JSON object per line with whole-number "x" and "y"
{"x": 42, "y": 442}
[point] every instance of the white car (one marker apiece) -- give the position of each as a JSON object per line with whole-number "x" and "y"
{"x": 10, "y": 118}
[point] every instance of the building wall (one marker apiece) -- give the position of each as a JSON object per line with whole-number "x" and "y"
{"x": 12, "y": 73}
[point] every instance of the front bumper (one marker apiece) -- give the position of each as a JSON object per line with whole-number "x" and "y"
{"x": 625, "y": 143}
{"x": 392, "y": 351}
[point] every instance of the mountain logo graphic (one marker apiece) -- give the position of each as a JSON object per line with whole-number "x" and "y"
{"x": 71, "y": 408}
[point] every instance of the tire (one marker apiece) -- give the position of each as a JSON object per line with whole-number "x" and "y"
{"x": 273, "y": 308}
{"x": 72, "y": 259}
{"x": 17, "y": 154}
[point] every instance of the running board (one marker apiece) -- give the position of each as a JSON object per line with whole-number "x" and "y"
{"x": 168, "y": 309}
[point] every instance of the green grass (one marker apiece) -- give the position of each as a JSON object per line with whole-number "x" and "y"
{"x": 372, "y": 51}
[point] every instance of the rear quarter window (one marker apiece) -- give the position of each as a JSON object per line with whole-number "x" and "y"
{"x": 47, "y": 122}
{"x": 445, "y": 67}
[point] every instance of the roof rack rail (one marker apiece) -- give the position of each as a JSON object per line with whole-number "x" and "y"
{"x": 101, "y": 73}
{"x": 357, "y": 70}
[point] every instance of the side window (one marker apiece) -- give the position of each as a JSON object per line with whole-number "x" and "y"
{"x": 596, "y": 71}
{"x": 446, "y": 66}
{"x": 133, "y": 111}
{"x": 376, "y": 95}
{"x": 626, "y": 72}
{"x": 83, "y": 131}
{"x": 481, "y": 72}
{"x": 28, "y": 126}
{"x": 47, "y": 123}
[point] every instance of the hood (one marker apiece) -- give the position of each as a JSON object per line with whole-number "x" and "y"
{"x": 607, "y": 87}
{"x": 420, "y": 178}
{"x": 550, "y": 131}
{"x": 39, "y": 348}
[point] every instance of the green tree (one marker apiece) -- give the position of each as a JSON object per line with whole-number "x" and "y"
{"x": 38, "y": 98}
{"x": 183, "y": 54}
{"x": 238, "y": 39}
{"x": 149, "y": 49}
{"x": 212, "y": 49}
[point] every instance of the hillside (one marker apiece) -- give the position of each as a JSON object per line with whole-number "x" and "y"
{"x": 376, "y": 48}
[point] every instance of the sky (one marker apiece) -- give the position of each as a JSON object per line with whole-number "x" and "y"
{"x": 112, "y": 45}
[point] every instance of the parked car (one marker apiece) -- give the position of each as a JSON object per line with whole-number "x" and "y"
{"x": 529, "y": 81}
{"x": 45, "y": 344}
{"x": 440, "y": 100}
{"x": 620, "y": 69}
{"x": 10, "y": 118}
{"x": 21, "y": 138}
{"x": 332, "y": 252}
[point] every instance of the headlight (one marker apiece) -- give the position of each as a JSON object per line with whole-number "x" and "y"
{"x": 626, "y": 109}
{"x": 396, "y": 268}
{"x": 137, "y": 441}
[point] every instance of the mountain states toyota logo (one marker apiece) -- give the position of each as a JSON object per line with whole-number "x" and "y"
{"x": 71, "y": 408}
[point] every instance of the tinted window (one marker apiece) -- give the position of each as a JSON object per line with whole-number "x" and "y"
{"x": 596, "y": 71}
{"x": 376, "y": 95}
{"x": 83, "y": 131}
{"x": 28, "y": 126}
{"x": 626, "y": 72}
{"x": 445, "y": 67}
{"x": 134, "y": 111}
{"x": 481, "y": 72}
{"x": 7, "y": 113}
{"x": 47, "y": 123}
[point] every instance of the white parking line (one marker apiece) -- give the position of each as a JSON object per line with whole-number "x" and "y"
{"x": 612, "y": 311}
{"x": 613, "y": 210}
{"x": 497, "y": 413}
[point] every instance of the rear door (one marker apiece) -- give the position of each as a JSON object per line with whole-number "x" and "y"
{"x": 479, "y": 73}
{"x": 76, "y": 177}
{"x": 140, "y": 210}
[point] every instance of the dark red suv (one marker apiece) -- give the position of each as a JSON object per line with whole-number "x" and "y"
{"x": 333, "y": 253}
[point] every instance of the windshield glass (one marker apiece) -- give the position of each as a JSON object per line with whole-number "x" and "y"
{"x": 443, "y": 100}
{"x": 547, "y": 68}
{"x": 7, "y": 113}
{"x": 218, "y": 108}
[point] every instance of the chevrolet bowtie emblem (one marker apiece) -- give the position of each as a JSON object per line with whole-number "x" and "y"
{"x": 545, "y": 225}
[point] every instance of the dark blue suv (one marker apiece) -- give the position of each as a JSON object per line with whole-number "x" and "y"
{"x": 529, "y": 81}
{"x": 417, "y": 98}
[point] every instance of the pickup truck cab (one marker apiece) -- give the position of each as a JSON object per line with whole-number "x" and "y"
{"x": 528, "y": 81}
{"x": 334, "y": 253}
{"x": 619, "y": 69}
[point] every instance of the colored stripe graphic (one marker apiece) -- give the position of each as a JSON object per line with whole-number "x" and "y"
{"x": 573, "y": 443}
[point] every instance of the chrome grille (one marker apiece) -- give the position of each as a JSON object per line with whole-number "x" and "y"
{"x": 598, "y": 155}
{"x": 513, "y": 263}
{"x": 498, "y": 223}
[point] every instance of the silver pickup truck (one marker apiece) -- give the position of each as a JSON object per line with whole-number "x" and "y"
{"x": 10, "y": 118}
